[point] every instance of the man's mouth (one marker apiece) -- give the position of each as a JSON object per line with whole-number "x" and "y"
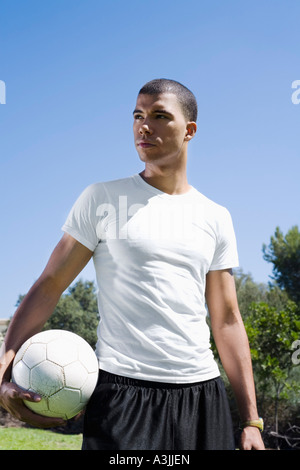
{"x": 144, "y": 144}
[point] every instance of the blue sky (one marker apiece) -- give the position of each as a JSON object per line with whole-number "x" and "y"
{"x": 72, "y": 70}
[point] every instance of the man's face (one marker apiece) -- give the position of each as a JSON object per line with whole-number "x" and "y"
{"x": 160, "y": 128}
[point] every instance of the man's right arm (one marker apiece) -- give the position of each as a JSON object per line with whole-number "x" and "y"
{"x": 66, "y": 262}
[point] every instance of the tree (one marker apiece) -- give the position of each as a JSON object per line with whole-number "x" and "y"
{"x": 77, "y": 311}
{"x": 249, "y": 291}
{"x": 284, "y": 253}
{"x": 271, "y": 334}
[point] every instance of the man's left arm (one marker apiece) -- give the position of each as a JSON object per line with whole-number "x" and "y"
{"x": 233, "y": 347}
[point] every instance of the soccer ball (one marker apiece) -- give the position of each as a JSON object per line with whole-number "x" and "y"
{"x": 61, "y": 367}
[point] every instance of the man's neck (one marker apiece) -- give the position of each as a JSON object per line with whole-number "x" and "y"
{"x": 166, "y": 180}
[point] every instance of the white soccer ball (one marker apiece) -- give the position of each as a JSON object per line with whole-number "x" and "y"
{"x": 61, "y": 367}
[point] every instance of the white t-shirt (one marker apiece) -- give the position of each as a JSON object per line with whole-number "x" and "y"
{"x": 152, "y": 251}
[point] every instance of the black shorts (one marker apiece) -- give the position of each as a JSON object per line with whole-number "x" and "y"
{"x": 129, "y": 414}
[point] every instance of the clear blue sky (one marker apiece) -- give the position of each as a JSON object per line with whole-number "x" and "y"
{"x": 72, "y": 70}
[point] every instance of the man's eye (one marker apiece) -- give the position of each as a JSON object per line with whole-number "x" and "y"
{"x": 138, "y": 116}
{"x": 161, "y": 116}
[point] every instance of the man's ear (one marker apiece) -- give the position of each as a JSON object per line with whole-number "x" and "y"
{"x": 191, "y": 129}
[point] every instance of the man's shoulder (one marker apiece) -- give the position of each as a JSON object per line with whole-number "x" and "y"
{"x": 210, "y": 205}
{"x": 109, "y": 185}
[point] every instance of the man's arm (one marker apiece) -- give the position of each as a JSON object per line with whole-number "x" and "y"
{"x": 66, "y": 262}
{"x": 233, "y": 347}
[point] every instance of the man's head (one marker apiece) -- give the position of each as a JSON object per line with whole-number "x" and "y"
{"x": 164, "y": 122}
{"x": 184, "y": 96}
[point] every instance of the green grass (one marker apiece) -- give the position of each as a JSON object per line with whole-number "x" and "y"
{"x": 37, "y": 439}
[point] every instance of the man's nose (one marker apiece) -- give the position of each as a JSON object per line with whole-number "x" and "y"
{"x": 145, "y": 129}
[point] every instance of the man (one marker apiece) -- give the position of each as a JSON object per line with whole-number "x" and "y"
{"x": 161, "y": 250}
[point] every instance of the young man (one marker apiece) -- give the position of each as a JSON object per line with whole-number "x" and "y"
{"x": 161, "y": 250}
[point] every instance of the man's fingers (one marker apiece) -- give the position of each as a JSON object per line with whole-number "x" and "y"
{"x": 16, "y": 392}
{"x": 13, "y": 401}
{"x": 30, "y": 396}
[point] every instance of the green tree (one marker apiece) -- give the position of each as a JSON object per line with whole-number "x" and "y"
{"x": 249, "y": 291}
{"x": 271, "y": 334}
{"x": 77, "y": 311}
{"x": 284, "y": 253}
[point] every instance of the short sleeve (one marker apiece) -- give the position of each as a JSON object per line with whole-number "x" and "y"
{"x": 81, "y": 221}
{"x": 226, "y": 253}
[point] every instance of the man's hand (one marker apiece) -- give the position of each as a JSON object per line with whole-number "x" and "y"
{"x": 11, "y": 399}
{"x": 251, "y": 439}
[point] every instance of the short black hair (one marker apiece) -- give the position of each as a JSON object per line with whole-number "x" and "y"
{"x": 185, "y": 97}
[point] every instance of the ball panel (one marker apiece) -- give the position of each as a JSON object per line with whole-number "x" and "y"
{"x": 21, "y": 351}
{"x": 42, "y": 408}
{"x": 88, "y": 358}
{"x": 75, "y": 375}
{"x": 62, "y": 351}
{"x": 34, "y": 354}
{"x": 21, "y": 375}
{"x": 46, "y": 336}
{"x": 66, "y": 401}
{"x": 88, "y": 387}
{"x": 46, "y": 378}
